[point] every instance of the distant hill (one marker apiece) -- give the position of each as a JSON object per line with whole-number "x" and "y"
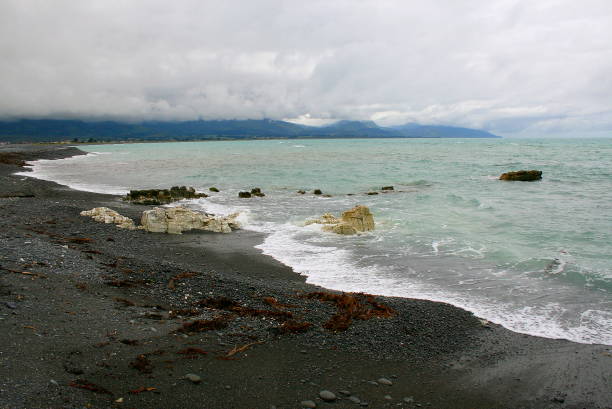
{"x": 53, "y": 130}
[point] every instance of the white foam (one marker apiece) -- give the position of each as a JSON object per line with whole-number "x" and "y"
{"x": 338, "y": 268}
{"x": 43, "y": 169}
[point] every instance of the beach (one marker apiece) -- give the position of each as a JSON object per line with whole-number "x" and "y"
{"x": 94, "y": 316}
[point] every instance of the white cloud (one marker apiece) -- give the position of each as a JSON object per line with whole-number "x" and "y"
{"x": 510, "y": 66}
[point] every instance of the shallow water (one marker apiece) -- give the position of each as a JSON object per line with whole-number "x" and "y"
{"x": 532, "y": 256}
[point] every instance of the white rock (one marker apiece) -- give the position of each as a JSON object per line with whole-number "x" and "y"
{"x": 175, "y": 220}
{"x": 109, "y": 216}
{"x": 353, "y": 221}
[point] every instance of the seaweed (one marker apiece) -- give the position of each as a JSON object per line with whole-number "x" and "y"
{"x": 192, "y": 353}
{"x": 294, "y": 327}
{"x": 173, "y": 280}
{"x": 142, "y": 364}
{"x": 83, "y": 384}
{"x": 351, "y": 306}
{"x": 216, "y": 323}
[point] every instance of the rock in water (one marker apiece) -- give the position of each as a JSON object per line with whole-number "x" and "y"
{"x": 387, "y": 188}
{"x": 213, "y": 189}
{"x": 244, "y": 195}
{"x": 158, "y": 197}
{"x": 175, "y": 220}
{"x": 106, "y": 215}
{"x": 358, "y": 219}
{"x": 257, "y": 192}
{"x": 522, "y": 175}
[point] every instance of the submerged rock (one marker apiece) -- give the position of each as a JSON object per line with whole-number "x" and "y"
{"x": 162, "y": 196}
{"x": 109, "y": 216}
{"x": 522, "y": 175}
{"x": 353, "y": 221}
{"x": 257, "y": 192}
{"x": 387, "y": 188}
{"x": 175, "y": 220}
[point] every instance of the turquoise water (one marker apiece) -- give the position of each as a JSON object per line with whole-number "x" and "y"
{"x": 535, "y": 257}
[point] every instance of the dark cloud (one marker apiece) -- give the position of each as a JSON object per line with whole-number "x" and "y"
{"x": 512, "y": 66}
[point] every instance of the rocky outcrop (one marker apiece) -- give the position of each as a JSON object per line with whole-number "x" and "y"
{"x": 106, "y": 215}
{"x": 158, "y": 197}
{"x": 175, "y": 220}
{"x": 522, "y": 175}
{"x": 254, "y": 192}
{"x": 354, "y": 221}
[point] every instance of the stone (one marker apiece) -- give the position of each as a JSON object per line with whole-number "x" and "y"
{"x": 385, "y": 381}
{"x": 109, "y": 216}
{"x": 213, "y": 189}
{"x": 344, "y": 392}
{"x": 308, "y": 404}
{"x": 317, "y": 192}
{"x": 175, "y": 220}
{"x": 327, "y": 396}
{"x": 257, "y": 192}
{"x": 302, "y": 192}
{"x": 244, "y": 195}
{"x": 360, "y": 218}
{"x": 388, "y": 397}
{"x": 387, "y": 188}
{"x": 353, "y": 221}
{"x": 158, "y": 197}
{"x": 522, "y": 175}
{"x": 354, "y": 399}
{"x": 408, "y": 399}
{"x": 372, "y": 193}
{"x": 343, "y": 228}
{"x": 10, "y": 305}
{"x": 193, "y": 378}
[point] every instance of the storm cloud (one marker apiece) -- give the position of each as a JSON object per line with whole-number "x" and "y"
{"x": 512, "y": 67}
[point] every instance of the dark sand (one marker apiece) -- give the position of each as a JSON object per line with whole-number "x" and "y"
{"x": 63, "y": 325}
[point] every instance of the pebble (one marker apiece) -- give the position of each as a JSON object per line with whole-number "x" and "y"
{"x": 308, "y": 404}
{"x": 54, "y": 382}
{"x": 388, "y": 397}
{"x": 344, "y": 392}
{"x": 193, "y": 378}
{"x": 364, "y": 403}
{"x": 354, "y": 399}
{"x": 373, "y": 383}
{"x": 409, "y": 399}
{"x": 385, "y": 381}
{"x": 228, "y": 387}
{"x": 10, "y": 305}
{"x": 327, "y": 396}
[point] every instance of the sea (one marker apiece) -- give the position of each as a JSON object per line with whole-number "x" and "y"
{"x": 535, "y": 257}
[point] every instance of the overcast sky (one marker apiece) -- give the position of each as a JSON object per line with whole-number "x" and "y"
{"x": 513, "y": 67}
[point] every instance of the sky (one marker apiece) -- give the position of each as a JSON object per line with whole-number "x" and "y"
{"x": 512, "y": 67}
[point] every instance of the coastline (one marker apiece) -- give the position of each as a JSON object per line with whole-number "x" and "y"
{"x": 442, "y": 356}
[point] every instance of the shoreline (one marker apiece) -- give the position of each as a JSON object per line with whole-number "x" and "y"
{"x": 440, "y": 354}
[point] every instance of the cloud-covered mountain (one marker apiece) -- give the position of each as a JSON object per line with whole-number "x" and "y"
{"x": 66, "y": 130}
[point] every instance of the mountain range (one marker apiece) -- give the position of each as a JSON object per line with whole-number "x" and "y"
{"x": 54, "y": 130}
